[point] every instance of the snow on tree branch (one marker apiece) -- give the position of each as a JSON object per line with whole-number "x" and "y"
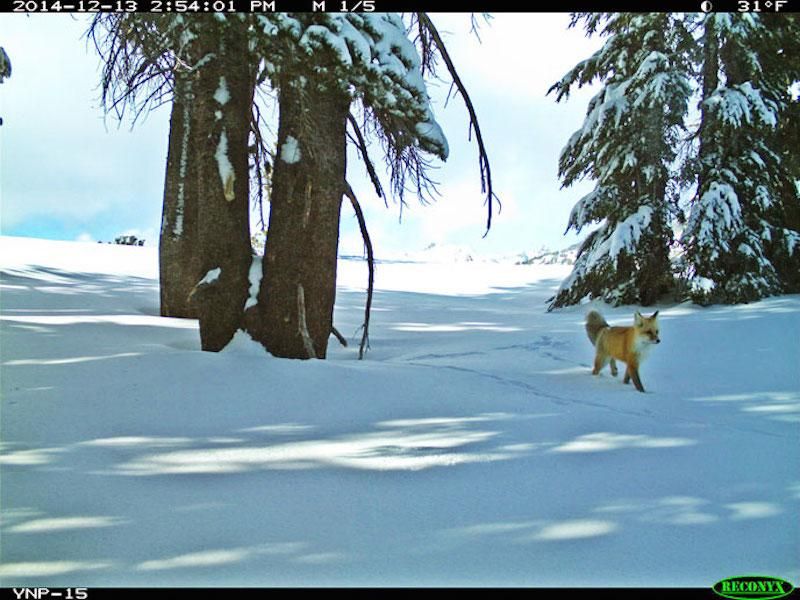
{"x": 5, "y": 65}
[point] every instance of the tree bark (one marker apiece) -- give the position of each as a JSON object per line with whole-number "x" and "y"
{"x": 225, "y": 89}
{"x": 179, "y": 265}
{"x": 294, "y": 315}
{"x": 708, "y": 130}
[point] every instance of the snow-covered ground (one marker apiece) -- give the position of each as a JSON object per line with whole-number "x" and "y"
{"x": 471, "y": 447}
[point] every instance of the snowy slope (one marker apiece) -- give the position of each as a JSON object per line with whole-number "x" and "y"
{"x": 471, "y": 447}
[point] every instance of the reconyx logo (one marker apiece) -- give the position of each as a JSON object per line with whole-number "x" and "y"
{"x": 755, "y": 587}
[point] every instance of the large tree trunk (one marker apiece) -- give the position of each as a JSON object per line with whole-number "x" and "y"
{"x": 223, "y": 100}
{"x": 294, "y": 315}
{"x": 653, "y": 274}
{"x": 179, "y": 265}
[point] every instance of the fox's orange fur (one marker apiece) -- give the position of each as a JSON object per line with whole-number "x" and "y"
{"x": 628, "y": 344}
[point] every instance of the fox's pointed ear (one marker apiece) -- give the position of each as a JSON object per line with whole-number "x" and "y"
{"x": 638, "y": 319}
{"x": 655, "y": 314}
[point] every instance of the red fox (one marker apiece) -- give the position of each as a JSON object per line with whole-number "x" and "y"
{"x": 628, "y": 344}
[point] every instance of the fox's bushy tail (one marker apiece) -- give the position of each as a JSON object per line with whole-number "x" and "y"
{"x": 594, "y": 323}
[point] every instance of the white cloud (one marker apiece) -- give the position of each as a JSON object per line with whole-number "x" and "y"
{"x": 575, "y": 530}
{"x": 64, "y": 524}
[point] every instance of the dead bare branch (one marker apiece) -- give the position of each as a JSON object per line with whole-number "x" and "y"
{"x": 263, "y": 158}
{"x": 362, "y": 224}
{"x": 361, "y": 145}
{"x": 302, "y": 326}
{"x": 483, "y": 157}
{"x": 338, "y": 336}
{"x": 138, "y": 63}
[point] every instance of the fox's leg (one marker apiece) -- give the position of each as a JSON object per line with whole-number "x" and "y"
{"x": 627, "y": 379}
{"x": 632, "y": 372}
{"x": 637, "y": 382}
{"x": 600, "y": 361}
{"x": 613, "y": 367}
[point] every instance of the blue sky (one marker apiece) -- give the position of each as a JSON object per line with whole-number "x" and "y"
{"x": 69, "y": 172}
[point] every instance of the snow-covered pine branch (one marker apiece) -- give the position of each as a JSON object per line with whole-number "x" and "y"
{"x": 734, "y": 171}
{"x": 367, "y": 55}
{"x": 738, "y": 239}
{"x": 625, "y": 145}
{"x": 5, "y": 65}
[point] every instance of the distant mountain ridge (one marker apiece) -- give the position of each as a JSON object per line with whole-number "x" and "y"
{"x": 452, "y": 253}
{"x": 545, "y": 256}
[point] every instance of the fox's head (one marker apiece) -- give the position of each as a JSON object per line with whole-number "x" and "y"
{"x": 647, "y": 327}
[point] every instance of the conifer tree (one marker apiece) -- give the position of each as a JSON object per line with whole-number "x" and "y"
{"x": 320, "y": 65}
{"x": 739, "y": 240}
{"x": 204, "y": 64}
{"x": 737, "y": 163}
{"x": 5, "y": 69}
{"x": 628, "y": 145}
